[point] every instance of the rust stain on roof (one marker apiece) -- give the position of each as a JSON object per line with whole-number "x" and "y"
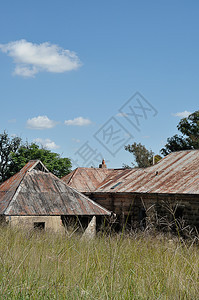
{"x": 177, "y": 173}
{"x": 36, "y": 191}
{"x": 87, "y": 179}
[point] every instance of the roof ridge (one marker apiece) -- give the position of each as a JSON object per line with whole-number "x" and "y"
{"x": 73, "y": 173}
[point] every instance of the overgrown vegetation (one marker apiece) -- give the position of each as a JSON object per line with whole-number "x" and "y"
{"x": 135, "y": 266}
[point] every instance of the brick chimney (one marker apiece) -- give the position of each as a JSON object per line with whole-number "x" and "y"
{"x": 102, "y": 165}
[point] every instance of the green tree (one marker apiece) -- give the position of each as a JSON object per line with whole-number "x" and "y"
{"x": 189, "y": 138}
{"x": 54, "y": 163}
{"x": 157, "y": 158}
{"x": 7, "y": 146}
{"x": 143, "y": 157}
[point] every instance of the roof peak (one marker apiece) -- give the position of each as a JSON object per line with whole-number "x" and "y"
{"x": 38, "y": 165}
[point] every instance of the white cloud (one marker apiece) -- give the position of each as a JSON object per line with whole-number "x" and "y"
{"x": 46, "y": 143}
{"x": 40, "y": 122}
{"x": 121, "y": 115}
{"x": 31, "y": 59}
{"x": 75, "y": 140}
{"x": 77, "y": 122}
{"x": 183, "y": 114}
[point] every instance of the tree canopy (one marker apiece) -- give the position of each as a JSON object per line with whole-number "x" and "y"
{"x": 143, "y": 157}
{"x": 7, "y": 146}
{"x": 189, "y": 138}
{"x": 14, "y": 155}
{"x": 54, "y": 163}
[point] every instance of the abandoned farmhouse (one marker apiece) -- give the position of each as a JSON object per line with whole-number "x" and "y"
{"x": 157, "y": 194}
{"x": 169, "y": 190}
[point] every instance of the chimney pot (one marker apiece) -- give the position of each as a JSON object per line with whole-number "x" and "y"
{"x": 102, "y": 165}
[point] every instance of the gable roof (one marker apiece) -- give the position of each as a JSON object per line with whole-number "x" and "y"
{"x": 36, "y": 191}
{"x": 87, "y": 179}
{"x": 177, "y": 173}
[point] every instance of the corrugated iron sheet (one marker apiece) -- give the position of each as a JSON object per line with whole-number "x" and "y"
{"x": 8, "y": 188}
{"x": 87, "y": 179}
{"x": 177, "y": 173}
{"x": 35, "y": 192}
{"x": 14, "y": 181}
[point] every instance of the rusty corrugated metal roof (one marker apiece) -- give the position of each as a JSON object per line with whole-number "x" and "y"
{"x": 36, "y": 191}
{"x": 8, "y": 188}
{"x": 177, "y": 173}
{"x": 87, "y": 179}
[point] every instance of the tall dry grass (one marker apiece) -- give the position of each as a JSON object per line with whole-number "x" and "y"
{"x": 49, "y": 266}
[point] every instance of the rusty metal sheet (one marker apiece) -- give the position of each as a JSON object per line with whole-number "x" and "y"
{"x": 177, "y": 173}
{"x": 87, "y": 179}
{"x": 9, "y": 187}
{"x": 33, "y": 191}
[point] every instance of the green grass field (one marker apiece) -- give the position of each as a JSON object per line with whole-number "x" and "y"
{"x": 50, "y": 266}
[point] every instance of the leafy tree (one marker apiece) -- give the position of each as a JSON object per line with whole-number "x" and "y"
{"x": 54, "y": 163}
{"x": 189, "y": 138}
{"x": 157, "y": 158}
{"x": 125, "y": 166}
{"x": 143, "y": 157}
{"x": 7, "y": 146}
{"x": 14, "y": 155}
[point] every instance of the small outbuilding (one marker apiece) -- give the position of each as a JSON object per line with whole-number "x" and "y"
{"x": 35, "y": 198}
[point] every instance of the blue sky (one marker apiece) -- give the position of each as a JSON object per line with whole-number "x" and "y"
{"x": 67, "y": 67}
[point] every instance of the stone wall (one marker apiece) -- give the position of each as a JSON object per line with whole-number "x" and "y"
{"x": 48, "y": 223}
{"x": 138, "y": 210}
{"x": 2, "y": 220}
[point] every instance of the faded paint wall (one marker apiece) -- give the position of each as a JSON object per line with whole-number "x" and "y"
{"x": 51, "y": 223}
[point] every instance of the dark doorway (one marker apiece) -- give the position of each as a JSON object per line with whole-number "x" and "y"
{"x": 142, "y": 218}
{"x": 179, "y": 213}
{"x": 76, "y": 223}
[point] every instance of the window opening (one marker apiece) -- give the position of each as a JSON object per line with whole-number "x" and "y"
{"x": 39, "y": 225}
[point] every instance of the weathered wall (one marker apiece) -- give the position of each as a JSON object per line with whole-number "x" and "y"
{"x": 133, "y": 208}
{"x": 2, "y": 220}
{"x": 52, "y": 223}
